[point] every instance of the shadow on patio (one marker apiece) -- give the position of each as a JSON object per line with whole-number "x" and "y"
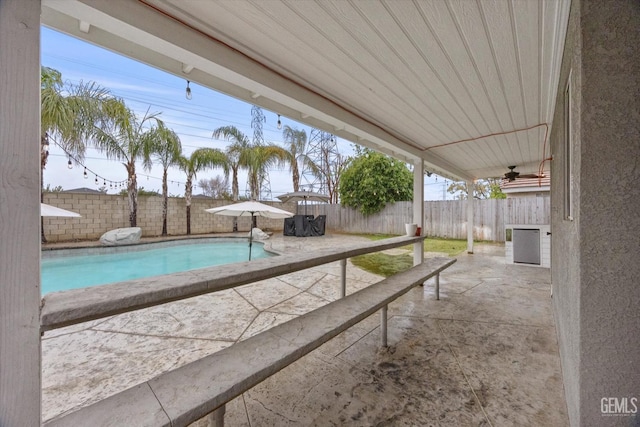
{"x": 485, "y": 354}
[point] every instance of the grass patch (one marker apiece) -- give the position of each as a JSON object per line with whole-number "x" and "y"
{"x": 388, "y": 265}
{"x": 451, "y": 247}
{"x": 383, "y": 264}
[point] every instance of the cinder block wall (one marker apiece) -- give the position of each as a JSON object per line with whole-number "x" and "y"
{"x": 104, "y": 212}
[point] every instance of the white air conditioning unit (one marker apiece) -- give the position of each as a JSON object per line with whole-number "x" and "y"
{"x": 526, "y": 246}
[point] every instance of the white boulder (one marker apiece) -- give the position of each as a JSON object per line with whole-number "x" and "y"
{"x": 121, "y": 236}
{"x": 258, "y": 234}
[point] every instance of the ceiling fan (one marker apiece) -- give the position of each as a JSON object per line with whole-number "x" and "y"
{"x": 512, "y": 175}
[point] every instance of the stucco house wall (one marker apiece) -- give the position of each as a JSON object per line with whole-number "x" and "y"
{"x": 595, "y": 268}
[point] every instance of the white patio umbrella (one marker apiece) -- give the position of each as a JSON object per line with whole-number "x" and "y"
{"x": 251, "y": 209}
{"x": 303, "y": 195}
{"x": 48, "y": 210}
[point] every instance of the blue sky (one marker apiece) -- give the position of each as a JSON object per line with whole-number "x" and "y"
{"x": 144, "y": 87}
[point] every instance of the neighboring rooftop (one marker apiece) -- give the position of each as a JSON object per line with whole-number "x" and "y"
{"x": 526, "y": 186}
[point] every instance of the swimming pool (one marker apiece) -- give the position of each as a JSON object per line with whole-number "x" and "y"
{"x": 78, "y": 268}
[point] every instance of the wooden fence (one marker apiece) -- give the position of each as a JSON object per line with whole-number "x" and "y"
{"x": 448, "y": 219}
{"x": 442, "y": 218}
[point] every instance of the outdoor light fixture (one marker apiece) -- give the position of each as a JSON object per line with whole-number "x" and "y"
{"x": 96, "y": 179}
{"x": 85, "y": 173}
{"x": 69, "y": 164}
{"x": 279, "y": 122}
{"x": 188, "y": 91}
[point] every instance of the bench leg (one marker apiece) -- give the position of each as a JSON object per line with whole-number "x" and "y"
{"x": 438, "y": 286}
{"x": 343, "y": 278}
{"x": 383, "y": 326}
{"x": 216, "y": 418}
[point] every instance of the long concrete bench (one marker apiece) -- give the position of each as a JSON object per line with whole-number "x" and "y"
{"x": 186, "y": 394}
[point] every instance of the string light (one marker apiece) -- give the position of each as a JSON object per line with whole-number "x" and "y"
{"x": 87, "y": 171}
{"x": 188, "y": 91}
{"x": 279, "y": 122}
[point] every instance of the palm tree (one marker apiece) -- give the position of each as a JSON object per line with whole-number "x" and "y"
{"x": 239, "y": 143}
{"x": 67, "y": 114}
{"x": 200, "y": 159}
{"x": 258, "y": 159}
{"x": 125, "y": 137}
{"x": 166, "y": 148}
{"x": 296, "y": 144}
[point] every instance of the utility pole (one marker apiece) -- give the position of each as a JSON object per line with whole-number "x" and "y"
{"x": 257, "y": 120}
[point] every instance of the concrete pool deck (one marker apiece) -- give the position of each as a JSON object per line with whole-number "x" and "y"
{"x": 485, "y": 354}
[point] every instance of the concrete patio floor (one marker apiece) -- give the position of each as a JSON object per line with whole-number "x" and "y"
{"x": 484, "y": 355}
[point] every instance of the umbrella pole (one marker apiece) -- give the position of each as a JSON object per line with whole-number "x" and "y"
{"x": 250, "y": 236}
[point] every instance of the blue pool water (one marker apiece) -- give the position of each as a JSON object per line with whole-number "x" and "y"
{"x": 72, "y": 272}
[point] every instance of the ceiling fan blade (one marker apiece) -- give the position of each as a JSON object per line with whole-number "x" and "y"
{"x": 530, "y": 175}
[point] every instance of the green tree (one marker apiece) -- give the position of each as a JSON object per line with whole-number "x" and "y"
{"x": 239, "y": 142}
{"x": 371, "y": 180}
{"x": 259, "y": 159}
{"x": 125, "y": 137}
{"x": 141, "y": 192}
{"x": 482, "y": 189}
{"x": 166, "y": 148}
{"x": 200, "y": 159}
{"x": 68, "y": 114}
{"x": 242, "y": 153}
{"x": 296, "y": 145}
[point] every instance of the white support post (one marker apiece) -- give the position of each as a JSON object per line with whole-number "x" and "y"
{"x": 383, "y": 326}
{"x": 216, "y": 418}
{"x": 343, "y": 278}
{"x": 20, "y": 355}
{"x": 418, "y": 207}
{"x": 470, "y": 185}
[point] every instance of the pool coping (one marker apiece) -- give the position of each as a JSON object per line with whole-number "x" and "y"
{"x": 97, "y": 249}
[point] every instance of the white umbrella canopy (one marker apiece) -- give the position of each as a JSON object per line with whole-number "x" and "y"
{"x": 48, "y": 210}
{"x": 251, "y": 209}
{"x": 303, "y": 195}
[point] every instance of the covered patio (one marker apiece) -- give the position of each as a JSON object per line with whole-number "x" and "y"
{"x": 464, "y": 89}
{"x": 485, "y": 354}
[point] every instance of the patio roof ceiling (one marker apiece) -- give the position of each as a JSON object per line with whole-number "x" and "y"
{"x": 468, "y": 86}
